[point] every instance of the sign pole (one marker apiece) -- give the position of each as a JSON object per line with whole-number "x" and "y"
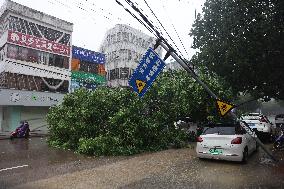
{"x": 196, "y": 77}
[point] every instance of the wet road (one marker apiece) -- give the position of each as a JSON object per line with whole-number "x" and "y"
{"x": 43, "y": 162}
{"x": 51, "y": 168}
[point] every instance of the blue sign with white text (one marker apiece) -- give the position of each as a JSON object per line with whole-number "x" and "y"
{"x": 87, "y": 55}
{"x": 147, "y": 71}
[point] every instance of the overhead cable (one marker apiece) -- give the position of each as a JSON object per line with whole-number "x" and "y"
{"x": 162, "y": 25}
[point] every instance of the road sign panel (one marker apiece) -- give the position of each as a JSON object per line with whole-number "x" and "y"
{"x": 146, "y": 72}
{"x": 224, "y": 107}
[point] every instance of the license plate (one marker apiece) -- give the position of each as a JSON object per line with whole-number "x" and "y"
{"x": 215, "y": 151}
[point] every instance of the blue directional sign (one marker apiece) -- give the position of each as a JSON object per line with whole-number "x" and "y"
{"x": 147, "y": 71}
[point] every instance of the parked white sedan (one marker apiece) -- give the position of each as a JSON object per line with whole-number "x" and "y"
{"x": 225, "y": 142}
{"x": 259, "y": 122}
{"x": 279, "y": 120}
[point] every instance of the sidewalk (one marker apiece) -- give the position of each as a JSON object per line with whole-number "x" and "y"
{"x": 34, "y": 133}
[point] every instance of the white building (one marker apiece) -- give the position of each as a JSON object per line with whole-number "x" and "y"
{"x": 124, "y": 46}
{"x": 174, "y": 65}
{"x": 35, "y": 56}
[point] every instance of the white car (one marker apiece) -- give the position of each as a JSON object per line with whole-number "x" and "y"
{"x": 259, "y": 122}
{"x": 279, "y": 120}
{"x": 225, "y": 142}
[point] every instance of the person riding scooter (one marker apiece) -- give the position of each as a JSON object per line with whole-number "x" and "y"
{"x": 22, "y": 131}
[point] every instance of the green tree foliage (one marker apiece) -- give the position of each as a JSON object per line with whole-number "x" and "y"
{"x": 242, "y": 41}
{"x": 116, "y": 121}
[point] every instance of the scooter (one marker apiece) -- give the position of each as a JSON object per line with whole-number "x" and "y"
{"x": 279, "y": 142}
{"x": 21, "y": 132}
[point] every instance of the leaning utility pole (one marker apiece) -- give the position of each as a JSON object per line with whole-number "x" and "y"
{"x": 161, "y": 41}
{"x": 212, "y": 94}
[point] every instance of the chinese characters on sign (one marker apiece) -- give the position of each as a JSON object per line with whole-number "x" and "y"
{"x": 37, "y": 43}
{"x": 87, "y": 55}
{"x": 147, "y": 71}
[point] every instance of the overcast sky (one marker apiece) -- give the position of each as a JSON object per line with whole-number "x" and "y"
{"x": 92, "y": 18}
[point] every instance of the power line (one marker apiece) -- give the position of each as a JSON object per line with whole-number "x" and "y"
{"x": 90, "y": 10}
{"x": 146, "y": 20}
{"x": 139, "y": 20}
{"x": 176, "y": 32}
{"x": 156, "y": 32}
{"x": 162, "y": 25}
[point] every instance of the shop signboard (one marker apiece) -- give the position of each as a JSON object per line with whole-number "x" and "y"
{"x": 37, "y": 43}
{"x": 12, "y": 97}
{"x": 87, "y": 55}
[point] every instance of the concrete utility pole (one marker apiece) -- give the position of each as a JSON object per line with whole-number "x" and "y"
{"x": 196, "y": 77}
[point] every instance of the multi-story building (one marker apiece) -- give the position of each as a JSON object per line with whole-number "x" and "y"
{"x": 124, "y": 46}
{"x": 173, "y": 65}
{"x": 87, "y": 69}
{"x": 35, "y": 56}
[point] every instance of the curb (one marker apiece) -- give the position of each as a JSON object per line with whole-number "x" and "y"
{"x": 7, "y": 136}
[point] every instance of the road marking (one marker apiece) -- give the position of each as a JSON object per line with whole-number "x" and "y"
{"x": 10, "y": 168}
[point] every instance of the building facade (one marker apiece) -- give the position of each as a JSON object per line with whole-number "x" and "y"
{"x": 35, "y": 57}
{"x": 174, "y": 65}
{"x": 87, "y": 69}
{"x": 124, "y": 47}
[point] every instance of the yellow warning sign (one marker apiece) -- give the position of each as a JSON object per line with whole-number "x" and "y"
{"x": 224, "y": 107}
{"x": 140, "y": 85}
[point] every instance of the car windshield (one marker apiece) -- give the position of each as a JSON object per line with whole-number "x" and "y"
{"x": 224, "y": 130}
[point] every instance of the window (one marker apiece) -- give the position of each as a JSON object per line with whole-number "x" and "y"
{"x": 112, "y": 39}
{"x": 12, "y": 51}
{"x": 118, "y": 36}
{"x": 132, "y": 38}
{"x": 23, "y": 53}
{"x": 65, "y": 62}
{"x": 58, "y": 61}
{"x": 117, "y": 73}
{"x": 125, "y": 36}
{"x": 144, "y": 44}
{"x": 108, "y": 39}
{"x": 43, "y": 58}
{"x": 51, "y": 61}
{"x": 124, "y": 73}
{"x": 114, "y": 55}
{"x": 36, "y": 56}
{"x": 90, "y": 67}
{"x": 112, "y": 74}
{"x": 123, "y": 54}
{"x": 129, "y": 55}
{"x": 139, "y": 41}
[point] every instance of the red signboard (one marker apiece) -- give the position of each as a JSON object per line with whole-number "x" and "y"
{"x": 38, "y": 43}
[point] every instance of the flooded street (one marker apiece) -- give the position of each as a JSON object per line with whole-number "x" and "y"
{"x": 43, "y": 162}
{"x": 31, "y": 164}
